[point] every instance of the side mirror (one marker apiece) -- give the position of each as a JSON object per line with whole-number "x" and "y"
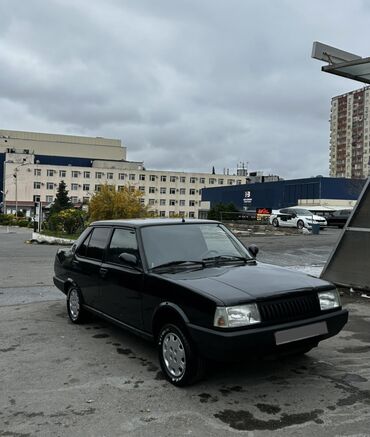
{"x": 128, "y": 258}
{"x": 253, "y": 250}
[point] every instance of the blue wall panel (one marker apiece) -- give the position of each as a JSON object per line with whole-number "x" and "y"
{"x": 281, "y": 194}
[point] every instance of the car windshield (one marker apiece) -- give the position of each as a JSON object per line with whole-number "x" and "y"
{"x": 190, "y": 242}
{"x": 303, "y": 212}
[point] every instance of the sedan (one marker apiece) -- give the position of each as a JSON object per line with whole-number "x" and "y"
{"x": 297, "y": 218}
{"x": 192, "y": 288}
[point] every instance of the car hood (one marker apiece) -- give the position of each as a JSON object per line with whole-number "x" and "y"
{"x": 237, "y": 284}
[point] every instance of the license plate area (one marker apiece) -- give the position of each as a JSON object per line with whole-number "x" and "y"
{"x": 300, "y": 333}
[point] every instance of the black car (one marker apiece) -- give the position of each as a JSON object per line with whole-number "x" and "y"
{"x": 193, "y": 288}
{"x": 338, "y": 218}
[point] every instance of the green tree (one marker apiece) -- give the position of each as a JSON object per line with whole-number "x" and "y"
{"x": 221, "y": 211}
{"x": 68, "y": 221}
{"x": 109, "y": 204}
{"x": 62, "y": 201}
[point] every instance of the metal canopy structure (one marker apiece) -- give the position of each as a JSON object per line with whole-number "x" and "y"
{"x": 356, "y": 70}
{"x": 349, "y": 262}
{"x": 342, "y": 63}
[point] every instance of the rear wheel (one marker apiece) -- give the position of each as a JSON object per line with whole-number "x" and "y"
{"x": 178, "y": 358}
{"x": 300, "y": 224}
{"x": 275, "y": 222}
{"x": 74, "y": 306}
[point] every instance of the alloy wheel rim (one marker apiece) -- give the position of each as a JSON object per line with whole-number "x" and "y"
{"x": 173, "y": 353}
{"x": 74, "y": 304}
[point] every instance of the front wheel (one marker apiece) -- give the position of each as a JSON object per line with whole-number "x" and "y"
{"x": 300, "y": 224}
{"x": 178, "y": 358}
{"x": 275, "y": 222}
{"x": 74, "y": 306}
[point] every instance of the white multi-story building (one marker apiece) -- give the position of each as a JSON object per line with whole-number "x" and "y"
{"x": 33, "y": 170}
{"x": 349, "y": 135}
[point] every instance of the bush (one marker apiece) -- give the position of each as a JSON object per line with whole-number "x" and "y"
{"x": 6, "y": 219}
{"x": 69, "y": 221}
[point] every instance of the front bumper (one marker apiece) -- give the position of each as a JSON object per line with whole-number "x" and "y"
{"x": 237, "y": 345}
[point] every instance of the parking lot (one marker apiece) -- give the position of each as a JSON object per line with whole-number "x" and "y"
{"x": 97, "y": 380}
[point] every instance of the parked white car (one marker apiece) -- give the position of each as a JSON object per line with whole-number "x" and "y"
{"x": 296, "y": 218}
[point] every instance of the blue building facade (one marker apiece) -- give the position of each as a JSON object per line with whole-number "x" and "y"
{"x": 282, "y": 194}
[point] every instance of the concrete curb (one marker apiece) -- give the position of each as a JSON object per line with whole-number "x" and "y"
{"x": 46, "y": 239}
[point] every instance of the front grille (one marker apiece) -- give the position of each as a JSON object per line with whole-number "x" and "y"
{"x": 289, "y": 308}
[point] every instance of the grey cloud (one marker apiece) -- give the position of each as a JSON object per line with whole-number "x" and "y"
{"x": 185, "y": 85}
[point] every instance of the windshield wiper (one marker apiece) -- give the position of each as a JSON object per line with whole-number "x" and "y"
{"x": 229, "y": 258}
{"x": 178, "y": 263}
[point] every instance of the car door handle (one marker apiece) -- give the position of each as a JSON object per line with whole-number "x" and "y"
{"x": 103, "y": 272}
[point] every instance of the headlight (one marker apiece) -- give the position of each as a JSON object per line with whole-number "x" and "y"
{"x": 241, "y": 315}
{"x": 329, "y": 299}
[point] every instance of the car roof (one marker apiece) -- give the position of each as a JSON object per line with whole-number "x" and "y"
{"x": 140, "y": 223}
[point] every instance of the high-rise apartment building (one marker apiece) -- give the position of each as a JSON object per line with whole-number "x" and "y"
{"x": 349, "y": 134}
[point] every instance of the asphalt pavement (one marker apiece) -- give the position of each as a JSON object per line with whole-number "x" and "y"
{"x": 97, "y": 380}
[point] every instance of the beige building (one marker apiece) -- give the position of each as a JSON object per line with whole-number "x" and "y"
{"x": 349, "y": 135}
{"x": 167, "y": 193}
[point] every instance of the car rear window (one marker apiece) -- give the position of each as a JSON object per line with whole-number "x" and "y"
{"x": 98, "y": 243}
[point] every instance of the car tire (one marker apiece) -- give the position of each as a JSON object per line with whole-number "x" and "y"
{"x": 300, "y": 224}
{"x": 179, "y": 360}
{"x": 76, "y": 313}
{"x": 275, "y": 223}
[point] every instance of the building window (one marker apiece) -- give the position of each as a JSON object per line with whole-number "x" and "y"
{"x": 49, "y": 172}
{"x": 202, "y": 180}
{"x": 162, "y": 202}
{"x": 192, "y": 180}
{"x": 191, "y": 202}
{"x": 131, "y": 176}
{"x": 172, "y": 202}
{"x": 74, "y": 199}
{"x": 151, "y": 201}
{"x": 220, "y": 181}
{"x": 163, "y": 190}
{"x": 75, "y": 174}
{"x": 85, "y": 200}
{"x": 182, "y": 191}
{"x": 151, "y": 190}
{"x": 49, "y": 199}
{"x": 142, "y": 177}
{"x": 74, "y": 187}
{"x": 142, "y": 189}
{"x": 98, "y": 175}
{"x": 109, "y": 175}
{"x": 37, "y": 172}
{"x": 212, "y": 181}
{"x": 120, "y": 187}
{"x": 238, "y": 182}
{"x": 162, "y": 213}
{"x": 62, "y": 173}
{"x": 86, "y": 174}
{"x": 173, "y": 178}
{"x": 49, "y": 186}
{"x": 230, "y": 181}
{"x": 172, "y": 213}
{"x": 142, "y": 200}
{"x": 97, "y": 188}
{"x": 36, "y": 198}
{"x": 182, "y": 179}
{"x": 121, "y": 176}
{"x": 182, "y": 202}
{"x": 86, "y": 187}
{"x": 192, "y": 191}
{"x": 163, "y": 178}
{"x": 152, "y": 177}
{"x": 172, "y": 190}
{"x": 182, "y": 213}
{"x": 191, "y": 214}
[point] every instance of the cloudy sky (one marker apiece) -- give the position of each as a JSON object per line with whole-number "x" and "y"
{"x": 186, "y": 84}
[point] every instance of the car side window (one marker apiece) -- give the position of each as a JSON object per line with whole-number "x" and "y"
{"x": 98, "y": 242}
{"x": 82, "y": 248}
{"x": 123, "y": 241}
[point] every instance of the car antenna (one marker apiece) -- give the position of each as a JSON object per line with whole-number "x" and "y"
{"x": 183, "y": 220}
